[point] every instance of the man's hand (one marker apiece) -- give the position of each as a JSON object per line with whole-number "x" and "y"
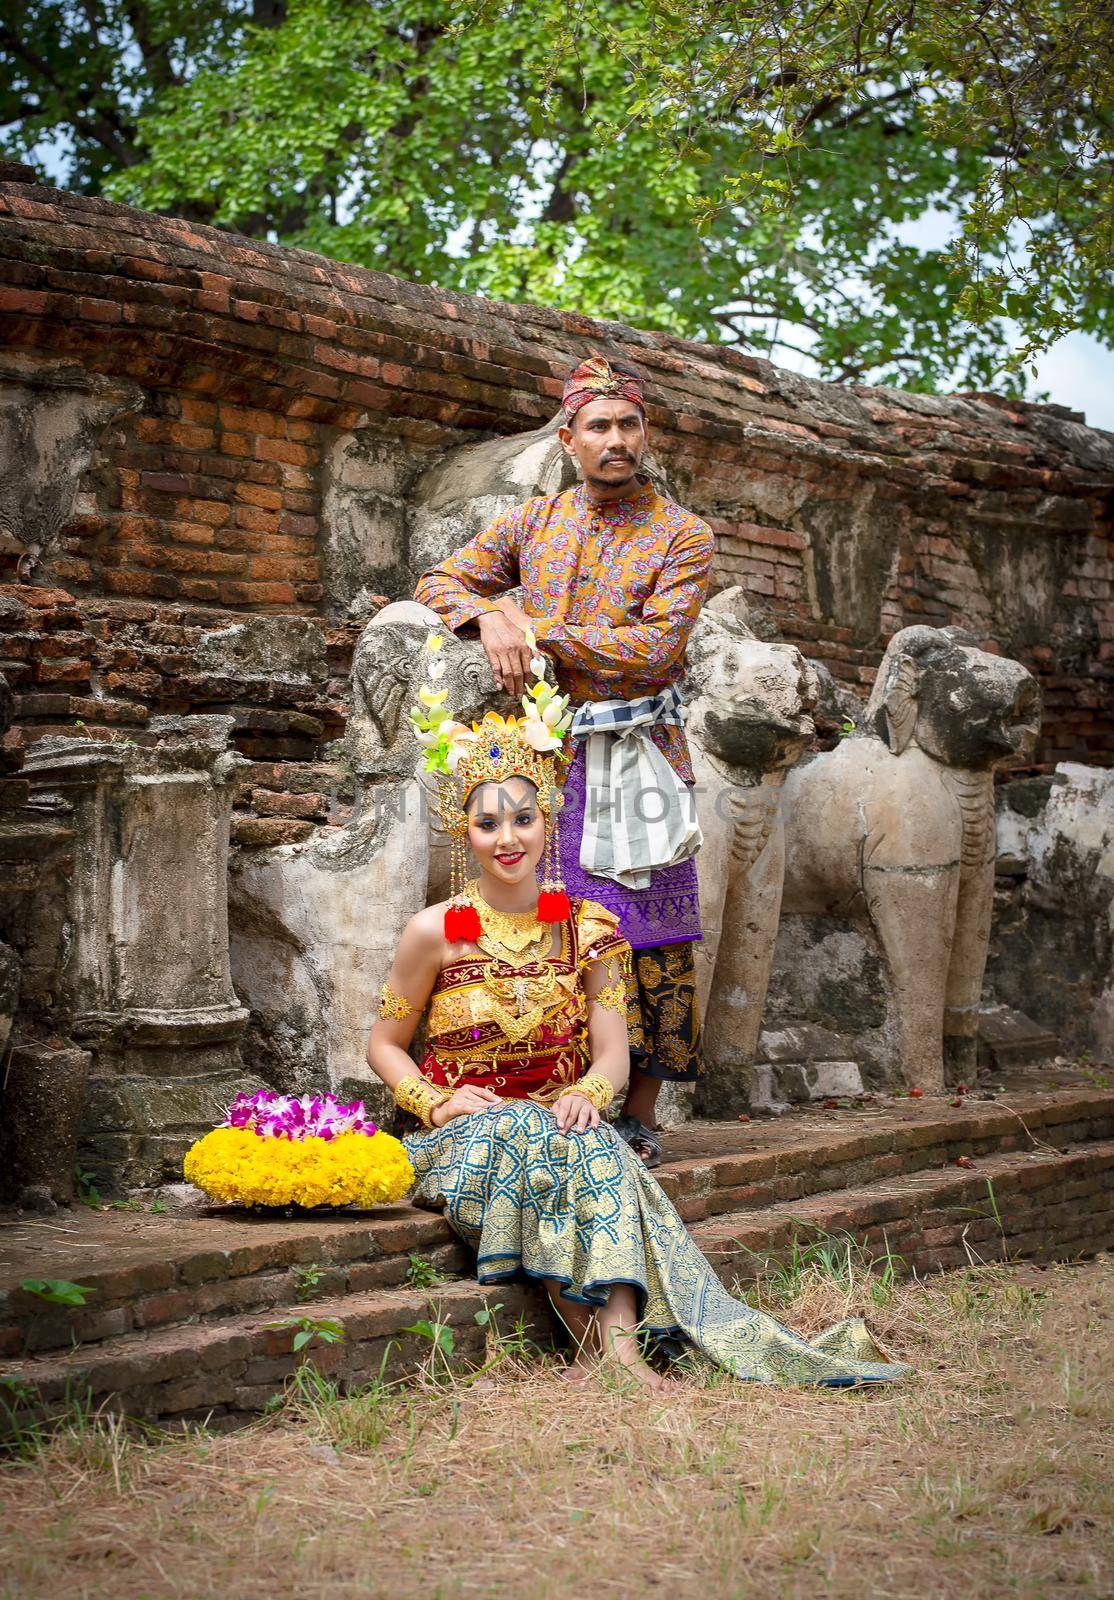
{"x": 466, "y": 1100}
{"x": 575, "y": 1113}
{"x": 502, "y": 634}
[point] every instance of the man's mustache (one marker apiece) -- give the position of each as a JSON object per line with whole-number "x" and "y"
{"x": 605, "y": 461}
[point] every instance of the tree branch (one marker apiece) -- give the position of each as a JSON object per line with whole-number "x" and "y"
{"x": 156, "y": 57}
{"x": 99, "y": 125}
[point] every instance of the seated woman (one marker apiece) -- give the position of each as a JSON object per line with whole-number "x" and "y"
{"x": 526, "y": 1048}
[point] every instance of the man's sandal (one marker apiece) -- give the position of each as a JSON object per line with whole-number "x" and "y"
{"x": 642, "y": 1140}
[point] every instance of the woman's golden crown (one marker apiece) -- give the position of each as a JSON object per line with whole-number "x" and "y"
{"x": 501, "y": 749}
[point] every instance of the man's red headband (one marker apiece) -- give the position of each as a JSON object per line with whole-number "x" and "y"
{"x": 594, "y": 380}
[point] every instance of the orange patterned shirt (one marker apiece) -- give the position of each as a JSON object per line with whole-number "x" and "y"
{"x": 613, "y": 591}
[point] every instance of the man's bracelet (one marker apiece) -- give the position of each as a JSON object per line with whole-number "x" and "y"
{"x": 594, "y": 1086}
{"x": 417, "y": 1095}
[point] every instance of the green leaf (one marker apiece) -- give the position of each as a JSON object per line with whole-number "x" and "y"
{"x": 57, "y": 1291}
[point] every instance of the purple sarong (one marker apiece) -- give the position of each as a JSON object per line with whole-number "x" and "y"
{"x": 668, "y": 912}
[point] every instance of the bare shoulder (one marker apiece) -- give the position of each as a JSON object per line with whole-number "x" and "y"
{"x": 426, "y": 928}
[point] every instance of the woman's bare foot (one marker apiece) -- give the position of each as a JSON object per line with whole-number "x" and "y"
{"x": 622, "y": 1350}
{"x": 581, "y": 1367}
{"x": 615, "y": 1324}
{"x": 580, "y": 1326}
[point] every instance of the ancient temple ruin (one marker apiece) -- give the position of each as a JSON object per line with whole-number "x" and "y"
{"x": 224, "y": 465}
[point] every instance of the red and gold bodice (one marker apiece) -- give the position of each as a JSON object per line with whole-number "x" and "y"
{"x": 520, "y": 1030}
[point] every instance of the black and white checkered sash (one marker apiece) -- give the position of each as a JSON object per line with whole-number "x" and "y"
{"x": 638, "y": 814}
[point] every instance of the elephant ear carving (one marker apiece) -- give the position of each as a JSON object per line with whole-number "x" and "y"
{"x": 900, "y": 704}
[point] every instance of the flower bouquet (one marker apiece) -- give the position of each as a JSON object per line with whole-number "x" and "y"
{"x": 282, "y": 1150}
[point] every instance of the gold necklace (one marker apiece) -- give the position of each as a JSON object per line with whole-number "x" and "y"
{"x": 514, "y": 937}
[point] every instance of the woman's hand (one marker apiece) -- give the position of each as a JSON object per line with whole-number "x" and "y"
{"x": 575, "y": 1113}
{"x": 462, "y": 1103}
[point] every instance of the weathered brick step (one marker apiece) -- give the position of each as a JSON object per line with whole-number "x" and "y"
{"x": 182, "y": 1270}
{"x": 1039, "y": 1206}
{"x": 216, "y": 1267}
{"x": 231, "y": 1368}
{"x": 1045, "y": 1205}
{"x": 823, "y": 1157}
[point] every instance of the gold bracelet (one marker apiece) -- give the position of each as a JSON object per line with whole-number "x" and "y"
{"x": 594, "y": 1087}
{"x": 392, "y": 1004}
{"x": 417, "y": 1095}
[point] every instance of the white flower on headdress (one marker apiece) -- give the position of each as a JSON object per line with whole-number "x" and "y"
{"x": 538, "y": 736}
{"x": 436, "y": 670}
{"x": 537, "y": 666}
{"x": 553, "y": 712}
{"x": 461, "y": 742}
{"x": 531, "y": 638}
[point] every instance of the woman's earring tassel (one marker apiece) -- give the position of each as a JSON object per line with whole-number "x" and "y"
{"x": 462, "y": 920}
{"x": 553, "y": 901}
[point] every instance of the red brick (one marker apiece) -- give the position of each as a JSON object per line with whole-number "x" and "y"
{"x": 262, "y": 832}
{"x": 256, "y": 520}
{"x": 295, "y": 455}
{"x": 99, "y": 310}
{"x": 256, "y": 494}
{"x": 293, "y": 567}
{"x": 200, "y": 589}
{"x": 257, "y": 594}
{"x": 215, "y": 513}
{"x": 31, "y": 301}
{"x": 270, "y": 804}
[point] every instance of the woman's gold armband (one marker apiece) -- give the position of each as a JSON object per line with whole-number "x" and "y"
{"x": 612, "y": 997}
{"x": 393, "y": 1005}
{"x": 594, "y": 1087}
{"x": 420, "y": 1097}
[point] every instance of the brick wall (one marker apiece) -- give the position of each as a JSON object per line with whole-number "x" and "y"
{"x": 846, "y": 512}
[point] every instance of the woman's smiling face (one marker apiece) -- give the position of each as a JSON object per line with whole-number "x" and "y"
{"x": 506, "y": 829}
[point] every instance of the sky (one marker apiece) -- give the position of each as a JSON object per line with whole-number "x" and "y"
{"x": 1077, "y": 371}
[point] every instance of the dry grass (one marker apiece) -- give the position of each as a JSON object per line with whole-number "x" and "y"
{"x": 985, "y": 1476}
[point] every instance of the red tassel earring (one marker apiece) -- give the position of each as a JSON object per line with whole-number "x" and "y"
{"x": 462, "y": 920}
{"x": 468, "y": 925}
{"x": 553, "y": 901}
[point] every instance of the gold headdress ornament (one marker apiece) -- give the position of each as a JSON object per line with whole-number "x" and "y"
{"x": 490, "y": 751}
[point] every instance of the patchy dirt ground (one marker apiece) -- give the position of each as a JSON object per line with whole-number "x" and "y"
{"x": 987, "y": 1475}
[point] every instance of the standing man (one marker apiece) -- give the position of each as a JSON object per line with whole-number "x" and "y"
{"x": 613, "y": 578}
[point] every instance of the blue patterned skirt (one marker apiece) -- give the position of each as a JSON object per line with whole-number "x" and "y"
{"x": 583, "y": 1210}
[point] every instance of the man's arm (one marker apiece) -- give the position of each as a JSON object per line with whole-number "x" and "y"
{"x": 467, "y": 586}
{"x": 462, "y": 587}
{"x": 659, "y": 637}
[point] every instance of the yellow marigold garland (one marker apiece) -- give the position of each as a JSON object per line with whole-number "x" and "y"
{"x": 238, "y": 1165}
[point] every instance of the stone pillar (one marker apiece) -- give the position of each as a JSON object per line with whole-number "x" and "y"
{"x": 43, "y": 1098}
{"x": 145, "y": 982}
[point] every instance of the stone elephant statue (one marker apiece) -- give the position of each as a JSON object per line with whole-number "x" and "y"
{"x": 748, "y": 720}
{"x": 894, "y": 831}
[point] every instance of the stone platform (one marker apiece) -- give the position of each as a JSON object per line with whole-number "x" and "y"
{"x": 194, "y": 1316}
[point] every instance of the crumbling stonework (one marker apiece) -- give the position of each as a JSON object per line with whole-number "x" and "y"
{"x": 1052, "y": 944}
{"x": 139, "y": 934}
